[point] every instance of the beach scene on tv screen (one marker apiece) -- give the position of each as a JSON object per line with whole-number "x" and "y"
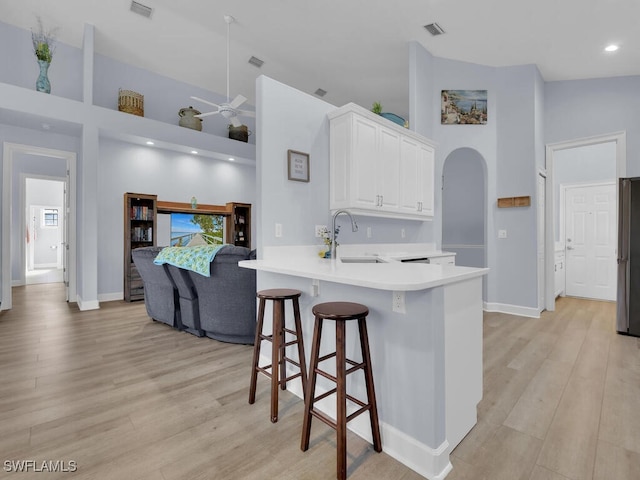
{"x": 186, "y": 227}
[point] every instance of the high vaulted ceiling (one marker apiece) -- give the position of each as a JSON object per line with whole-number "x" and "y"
{"x": 356, "y": 50}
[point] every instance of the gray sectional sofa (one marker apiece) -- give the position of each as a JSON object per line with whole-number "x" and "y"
{"x": 221, "y": 306}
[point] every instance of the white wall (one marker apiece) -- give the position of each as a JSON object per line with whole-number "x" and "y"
{"x": 290, "y": 119}
{"x": 173, "y": 177}
{"x": 584, "y": 108}
{"x": 589, "y": 164}
{"x": 20, "y": 66}
{"x": 97, "y": 275}
{"x": 158, "y": 104}
{"x": 25, "y": 166}
{"x": 464, "y": 207}
{"x": 510, "y": 143}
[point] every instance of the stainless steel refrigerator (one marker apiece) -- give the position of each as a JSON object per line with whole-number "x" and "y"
{"x": 628, "y": 299}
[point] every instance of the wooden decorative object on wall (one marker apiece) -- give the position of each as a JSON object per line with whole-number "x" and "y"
{"x": 508, "y": 202}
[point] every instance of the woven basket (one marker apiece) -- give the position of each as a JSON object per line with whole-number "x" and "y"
{"x": 131, "y": 102}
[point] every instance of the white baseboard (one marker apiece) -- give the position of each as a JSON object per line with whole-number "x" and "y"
{"x": 87, "y": 305}
{"x": 110, "y": 297}
{"x": 431, "y": 463}
{"x": 511, "y": 309}
{"x": 17, "y": 283}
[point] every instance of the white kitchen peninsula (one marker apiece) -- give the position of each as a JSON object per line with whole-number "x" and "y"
{"x": 425, "y": 334}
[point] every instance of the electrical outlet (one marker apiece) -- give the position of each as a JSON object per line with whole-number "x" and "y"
{"x": 368, "y": 232}
{"x": 397, "y": 302}
{"x": 320, "y": 229}
{"x": 403, "y": 233}
{"x": 278, "y": 230}
{"x": 502, "y": 234}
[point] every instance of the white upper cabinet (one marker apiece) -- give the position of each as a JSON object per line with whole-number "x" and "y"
{"x": 379, "y": 168}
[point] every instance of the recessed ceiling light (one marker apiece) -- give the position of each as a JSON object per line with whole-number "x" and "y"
{"x": 150, "y": 143}
{"x": 232, "y": 159}
{"x": 611, "y": 48}
{"x": 195, "y": 152}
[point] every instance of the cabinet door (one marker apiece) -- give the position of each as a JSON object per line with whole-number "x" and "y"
{"x": 426, "y": 173}
{"x": 416, "y": 177}
{"x": 364, "y": 162}
{"x": 409, "y": 171}
{"x": 388, "y": 170}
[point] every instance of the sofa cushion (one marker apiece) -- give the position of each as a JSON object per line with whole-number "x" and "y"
{"x": 160, "y": 294}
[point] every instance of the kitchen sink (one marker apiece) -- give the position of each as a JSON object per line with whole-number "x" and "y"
{"x": 361, "y": 260}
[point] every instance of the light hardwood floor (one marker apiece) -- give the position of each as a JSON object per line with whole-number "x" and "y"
{"x": 128, "y": 398}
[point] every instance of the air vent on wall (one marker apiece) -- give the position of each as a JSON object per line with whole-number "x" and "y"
{"x": 256, "y": 61}
{"x": 320, "y": 92}
{"x": 141, "y": 9}
{"x": 434, "y": 29}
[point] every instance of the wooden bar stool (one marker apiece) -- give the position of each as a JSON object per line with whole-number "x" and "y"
{"x": 340, "y": 312}
{"x": 278, "y": 372}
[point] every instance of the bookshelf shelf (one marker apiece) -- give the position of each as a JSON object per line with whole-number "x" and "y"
{"x": 239, "y": 224}
{"x": 140, "y": 215}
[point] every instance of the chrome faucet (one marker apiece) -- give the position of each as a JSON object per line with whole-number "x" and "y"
{"x": 354, "y": 228}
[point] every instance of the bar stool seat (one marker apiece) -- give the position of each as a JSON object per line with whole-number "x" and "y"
{"x": 277, "y": 371}
{"x": 340, "y": 312}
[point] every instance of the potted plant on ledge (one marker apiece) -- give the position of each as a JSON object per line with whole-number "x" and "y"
{"x": 43, "y": 47}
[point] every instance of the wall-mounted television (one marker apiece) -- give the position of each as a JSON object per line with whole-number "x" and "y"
{"x": 186, "y": 227}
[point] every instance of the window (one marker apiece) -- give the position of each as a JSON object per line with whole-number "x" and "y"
{"x": 50, "y": 217}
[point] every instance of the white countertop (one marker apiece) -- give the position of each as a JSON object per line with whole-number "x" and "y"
{"x": 302, "y": 261}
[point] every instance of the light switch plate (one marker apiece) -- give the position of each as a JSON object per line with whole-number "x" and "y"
{"x": 502, "y": 234}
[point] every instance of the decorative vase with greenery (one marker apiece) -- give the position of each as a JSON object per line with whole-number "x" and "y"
{"x": 376, "y": 108}
{"x": 43, "y": 47}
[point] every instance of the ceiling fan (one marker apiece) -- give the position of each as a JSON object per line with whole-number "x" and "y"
{"x": 229, "y": 109}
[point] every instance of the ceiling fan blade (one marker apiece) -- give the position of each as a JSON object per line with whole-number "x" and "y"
{"x": 235, "y": 122}
{"x": 206, "y": 114}
{"x": 236, "y": 102}
{"x": 207, "y": 102}
{"x": 246, "y": 113}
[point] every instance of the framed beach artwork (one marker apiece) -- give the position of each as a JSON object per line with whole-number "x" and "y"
{"x": 464, "y": 107}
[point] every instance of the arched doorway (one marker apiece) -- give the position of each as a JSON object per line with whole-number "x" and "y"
{"x": 464, "y": 208}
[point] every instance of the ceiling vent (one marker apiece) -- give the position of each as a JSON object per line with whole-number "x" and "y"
{"x": 434, "y": 29}
{"x": 320, "y": 92}
{"x": 141, "y": 9}
{"x": 256, "y": 61}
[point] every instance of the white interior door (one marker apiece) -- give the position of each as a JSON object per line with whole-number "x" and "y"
{"x": 591, "y": 239}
